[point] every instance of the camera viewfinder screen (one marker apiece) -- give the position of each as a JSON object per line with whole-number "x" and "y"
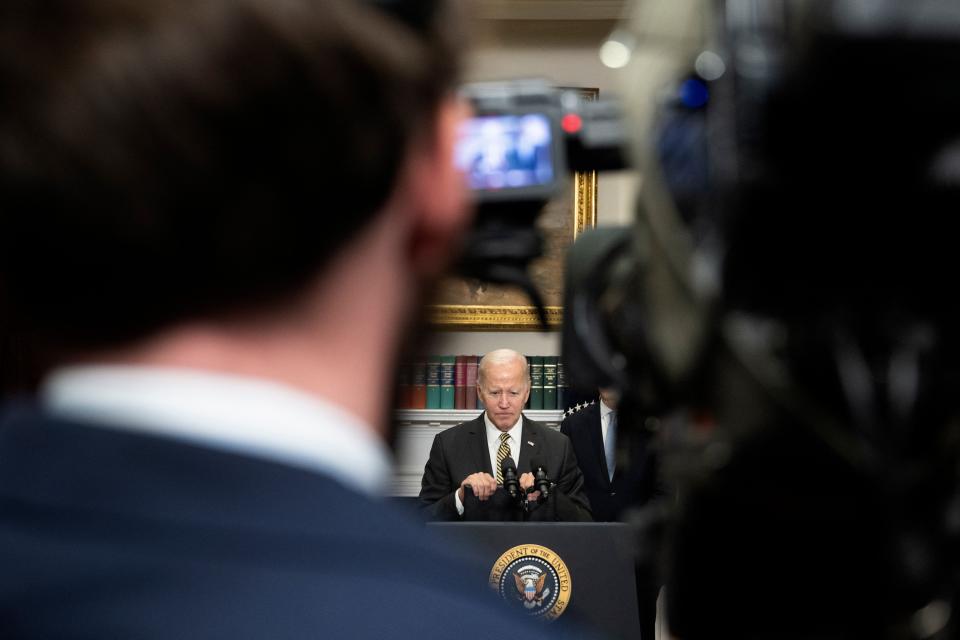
{"x": 506, "y": 151}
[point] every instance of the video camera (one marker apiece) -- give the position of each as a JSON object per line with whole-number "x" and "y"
{"x": 517, "y": 153}
{"x": 526, "y": 136}
{"x": 782, "y": 307}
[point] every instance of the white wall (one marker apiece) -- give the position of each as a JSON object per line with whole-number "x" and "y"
{"x": 565, "y": 53}
{"x": 529, "y": 342}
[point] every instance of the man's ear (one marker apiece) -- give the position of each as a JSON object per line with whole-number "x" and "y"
{"x": 438, "y": 192}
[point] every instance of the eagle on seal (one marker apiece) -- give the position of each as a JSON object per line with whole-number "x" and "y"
{"x": 530, "y": 589}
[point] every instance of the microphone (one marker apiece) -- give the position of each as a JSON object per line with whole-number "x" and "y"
{"x": 541, "y": 481}
{"x": 509, "y": 469}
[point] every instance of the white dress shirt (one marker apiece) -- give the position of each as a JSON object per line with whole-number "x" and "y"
{"x": 242, "y": 415}
{"x": 493, "y": 440}
{"x": 493, "y": 443}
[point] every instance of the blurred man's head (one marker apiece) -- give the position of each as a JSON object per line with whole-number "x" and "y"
{"x": 610, "y": 397}
{"x": 177, "y": 160}
{"x": 503, "y": 385}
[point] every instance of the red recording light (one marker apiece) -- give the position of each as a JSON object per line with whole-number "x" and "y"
{"x": 571, "y": 123}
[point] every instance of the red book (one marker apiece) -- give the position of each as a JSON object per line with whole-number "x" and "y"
{"x": 471, "y": 390}
{"x": 418, "y": 384}
{"x": 460, "y": 382}
{"x": 404, "y": 390}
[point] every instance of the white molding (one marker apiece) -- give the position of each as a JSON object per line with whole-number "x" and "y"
{"x": 550, "y": 9}
{"x": 455, "y": 416}
{"x": 416, "y": 429}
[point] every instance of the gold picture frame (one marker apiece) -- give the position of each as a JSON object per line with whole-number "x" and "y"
{"x": 563, "y": 220}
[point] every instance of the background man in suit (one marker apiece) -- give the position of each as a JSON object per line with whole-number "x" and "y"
{"x": 616, "y": 481}
{"x": 245, "y": 200}
{"x": 467, "y": 455}
{"x": 611, "y": 485}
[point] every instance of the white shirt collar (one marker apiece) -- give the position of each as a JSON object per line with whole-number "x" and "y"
{"x": 605, "y": 412}
{"x": 604, "y": 409}
{"x": 493, "y": 440}
{"x": 493, "y": 434}
{"x": 248, "y": 416}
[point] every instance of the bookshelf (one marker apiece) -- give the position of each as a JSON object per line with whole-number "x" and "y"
{"x": 449, "y": 382}
{"x": 416, "y": 429}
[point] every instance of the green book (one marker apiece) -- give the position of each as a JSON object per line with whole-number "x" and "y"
{"x": 447, "y": 382}
{"x": 433, "y": 382}
{"x": 536, "y": 383}
{"x": 530, "y": 373}
{"x": 550, "y": 382}
{"x": 561, "y": 386}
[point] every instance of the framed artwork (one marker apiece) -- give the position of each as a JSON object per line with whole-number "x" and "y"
{"x": 463, "y": 304}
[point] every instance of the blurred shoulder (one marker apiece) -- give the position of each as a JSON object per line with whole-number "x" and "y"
{"x": 579, "y": 415}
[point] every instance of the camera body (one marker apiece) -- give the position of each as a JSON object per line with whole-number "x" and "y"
{"x": 779, "y": 317}
{"x": 526, "y": 136}
{"x": 517, "y": 151}
{"x": 511, "y": 149}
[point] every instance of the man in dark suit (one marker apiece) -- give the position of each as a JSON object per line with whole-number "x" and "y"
{"x": 631, "y": 483}
{"x": 462, "y": 478}
{"x": 616, "y": 483}
{"x": 246, "y": 200}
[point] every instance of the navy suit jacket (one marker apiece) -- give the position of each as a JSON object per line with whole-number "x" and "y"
{"x": 462, "y": 450}
{"x": 112, "y": 534}
{"x": 633, "y": 485}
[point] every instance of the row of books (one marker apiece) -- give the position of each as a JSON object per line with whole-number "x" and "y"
{"x": 450, "y": 382}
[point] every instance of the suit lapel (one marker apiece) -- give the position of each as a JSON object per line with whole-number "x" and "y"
{"x": 530, "y": 445}
{"x": 479, "y": 449}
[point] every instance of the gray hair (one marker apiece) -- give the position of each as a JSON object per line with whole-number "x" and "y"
{"x": 502, "y": 356}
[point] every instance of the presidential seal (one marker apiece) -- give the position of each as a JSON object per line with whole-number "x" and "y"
{"x": 533, "y": 579}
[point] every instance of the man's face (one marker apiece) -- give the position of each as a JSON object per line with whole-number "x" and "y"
{"x": 610, "y": 397}
{"x": 504, "y": 390}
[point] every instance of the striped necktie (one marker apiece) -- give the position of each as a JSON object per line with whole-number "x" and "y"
{"x": 610, "y": 443}
{"x": 502, "y": 454}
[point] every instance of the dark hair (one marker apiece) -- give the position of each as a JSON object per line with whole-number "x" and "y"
{"x": 172, "y": 159}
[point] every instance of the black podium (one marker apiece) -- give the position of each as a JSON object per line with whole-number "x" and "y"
{"x": 582, "y": 573}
